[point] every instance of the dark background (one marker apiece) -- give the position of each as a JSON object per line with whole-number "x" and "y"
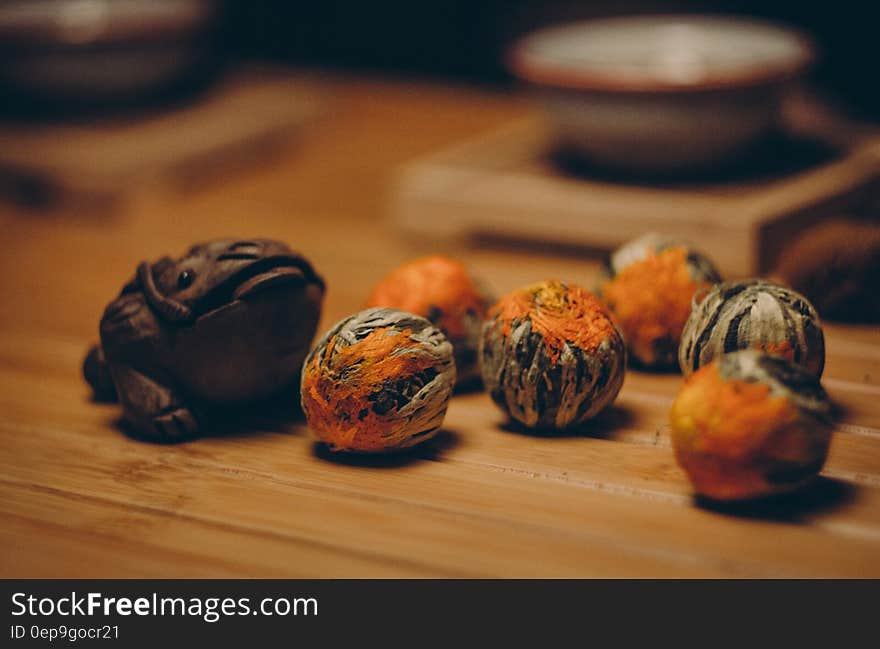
{"x": 466, "y": 39}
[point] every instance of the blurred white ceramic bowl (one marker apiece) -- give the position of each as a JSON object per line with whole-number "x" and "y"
{"x": 662, "y": 93}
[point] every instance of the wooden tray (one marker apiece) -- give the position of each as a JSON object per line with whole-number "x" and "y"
{"x": 513, "y": 184}
{"x": 239, "y": 121}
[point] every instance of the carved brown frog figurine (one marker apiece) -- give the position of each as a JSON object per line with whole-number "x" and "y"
{"x": 228, "y": 323}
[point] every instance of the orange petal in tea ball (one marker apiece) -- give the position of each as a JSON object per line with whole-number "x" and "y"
{"x": 442, "y": 290}
{"x": 379, "y": 380}
{"x": 650, "y": 283}
{"x": 749, "y": 425}
{"x": 550, "y": 355}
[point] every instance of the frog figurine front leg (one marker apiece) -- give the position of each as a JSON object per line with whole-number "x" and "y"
{"x": 131, "y": 338}
{"x": 153, "y": 409}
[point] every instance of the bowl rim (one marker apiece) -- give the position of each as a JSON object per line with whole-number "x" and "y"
{"x": 522, "y": 66}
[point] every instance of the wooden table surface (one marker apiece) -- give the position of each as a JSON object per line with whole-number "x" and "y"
{"x": 80, "y": 499}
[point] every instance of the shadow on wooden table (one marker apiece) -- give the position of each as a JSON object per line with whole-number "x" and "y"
{"x": 276, "y": 415}
{"x": 778, "y": 155}
{"x": 431, "y": 450}
{"x": 821, "y": 496}
{"x": 602, "y": 426}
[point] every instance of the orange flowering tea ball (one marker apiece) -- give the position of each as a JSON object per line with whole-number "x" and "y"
{"x": 749, "y": 425}
{"x": 443, "y": 291}
{"x": 550, "y": 355}
{"x": 650, "y": 283}
{"x": 379, "y": 380}
{"x": 752, "y": 314}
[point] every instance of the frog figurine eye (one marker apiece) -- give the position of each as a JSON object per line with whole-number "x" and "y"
{"x": 185, "y": 279}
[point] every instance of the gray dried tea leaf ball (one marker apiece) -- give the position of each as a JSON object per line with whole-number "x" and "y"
{"x": 649, "y": 284}
{"x": 749, "y": 425}
{"x": 444, "y": 291}
{"x": 380, "y": 380}
{"x": 550, "y": 355}
{"x": 752, "y": 314}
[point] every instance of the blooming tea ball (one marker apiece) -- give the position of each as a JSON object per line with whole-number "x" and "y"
{"x": 752, "y": 314}
{"x": 550, "y": 355}
{"x": 651, "y": 281}
{"x": 442, "y": 290}
{"x": 378, "y": 381}
{"x": 749, "y": 425}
